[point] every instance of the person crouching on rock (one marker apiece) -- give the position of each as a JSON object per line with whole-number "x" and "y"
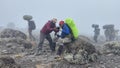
{"x": 65, "y": 37}
{"x": 45, "y": 34}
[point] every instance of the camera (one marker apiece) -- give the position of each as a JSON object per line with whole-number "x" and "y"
{"x": 58, "y": 28}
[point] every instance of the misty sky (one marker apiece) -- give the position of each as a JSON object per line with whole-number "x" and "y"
{"x": 84, "y": 12}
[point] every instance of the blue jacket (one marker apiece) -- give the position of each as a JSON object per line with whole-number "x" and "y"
{"x": 65, "y": 31}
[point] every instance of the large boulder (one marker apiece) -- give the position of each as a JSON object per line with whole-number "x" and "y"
{"x": 13, "y": 41}
{"x": 10, "y": 33}
{"x": 14, "y": 45}
{"x": 81, "y": 51}
{"x": 112, "y": 47}
{"x": 8, "y": 62}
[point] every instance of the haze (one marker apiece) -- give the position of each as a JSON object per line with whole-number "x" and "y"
{"x": 84, "y": 12}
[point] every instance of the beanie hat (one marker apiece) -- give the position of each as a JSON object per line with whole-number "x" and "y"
{"x": 61, "y": 22}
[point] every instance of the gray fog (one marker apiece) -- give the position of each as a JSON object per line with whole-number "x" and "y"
{"x": 84, "y": 12}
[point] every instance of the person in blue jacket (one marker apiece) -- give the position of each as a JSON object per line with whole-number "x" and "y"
{"x": 65, "y": 36}
{"x": 65, "y": 29}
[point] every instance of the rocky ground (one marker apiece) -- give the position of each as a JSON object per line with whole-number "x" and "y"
{"x": 23, "y": 56}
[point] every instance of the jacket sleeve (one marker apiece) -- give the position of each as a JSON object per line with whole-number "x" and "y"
{"x": 65, "y": 31}
{"x": 48, "y": 27}
{"x": 62, "y": 35}
{"x": 57, "y": 30}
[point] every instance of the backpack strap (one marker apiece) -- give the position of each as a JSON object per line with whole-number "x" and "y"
{"x": 72, "y": 37}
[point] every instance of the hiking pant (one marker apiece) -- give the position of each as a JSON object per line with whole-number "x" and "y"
{"x": 64, "y": 40}
{"x": 62, "y": 45}
{"x": 96, "y": 38}
{"x": 30, "y": 34}
{"x": 49, "y": 39}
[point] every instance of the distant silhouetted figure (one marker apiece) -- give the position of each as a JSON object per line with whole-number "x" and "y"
{"x": 109, "y": 32}
{"x": 116, "y": 35}
{"x": 96, "y": 32}
{"x": 31, "y": 26}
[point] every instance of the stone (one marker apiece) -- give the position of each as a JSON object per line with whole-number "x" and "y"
{"x": 27, "y": 17}
{"x": 14, "y": 41}
{"x": 10, "y": 33}
{"x": 81, "y": 51}
{"x": 112, "y": 47}
{"x": 8, "y": 62}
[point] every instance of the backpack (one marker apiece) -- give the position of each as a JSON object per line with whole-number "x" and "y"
{"x": 32, "y": 25}
{"x": 72, "y": 37}
{"x": 72, "y": 26}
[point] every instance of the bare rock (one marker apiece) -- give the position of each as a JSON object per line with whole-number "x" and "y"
{"x": 8, "y": 62}
{"x": 13, "y": 41}
{"x": 81, "y": 51}
{"x": 10, "y": 33}
{"x": 112, "y": 47}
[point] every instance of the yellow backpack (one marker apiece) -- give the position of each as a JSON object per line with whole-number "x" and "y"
{"x": 72, "y": 26}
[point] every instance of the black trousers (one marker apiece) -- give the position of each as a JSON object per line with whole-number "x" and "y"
{"x": 30, "y": 34}
{"x": 49, "y": 39}
{"x": 64, "y": 47}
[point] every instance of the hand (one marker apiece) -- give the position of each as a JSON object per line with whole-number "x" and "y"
{"x": 55, "y": 29}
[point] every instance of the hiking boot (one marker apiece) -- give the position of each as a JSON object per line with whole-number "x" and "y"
{"x": 58, "y": 58}
{"x": 31, "y": 53}
{"x": 38, "y": 53}
{"x": 52, "y": 52}
{"x": 60, "y": 50}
